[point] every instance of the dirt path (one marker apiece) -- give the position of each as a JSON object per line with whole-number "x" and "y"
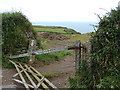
{"x": 63, "y": 70}
{"x": 7, "y": 81}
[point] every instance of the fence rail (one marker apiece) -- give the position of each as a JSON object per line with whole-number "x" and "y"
{"x": 81, "y": 50}
{"x": 44, "y": 51}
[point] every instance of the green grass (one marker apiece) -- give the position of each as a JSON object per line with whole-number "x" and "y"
{"x": 56, "y": 30}
{"x": 53, "y": 56}
{"x": 7, "y": 64}
{"x": 51, "y": 74}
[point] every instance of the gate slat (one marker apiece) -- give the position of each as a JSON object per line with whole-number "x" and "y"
{"x": 22, "y": 82}
{"x": 36, "y": 76}
{"x": 28, "y": 76}
{"x": 44, "y": 79}
{"x": 18, "y": 73}
{"x": 41, "y": 81}
{"x": 21, "y": 76}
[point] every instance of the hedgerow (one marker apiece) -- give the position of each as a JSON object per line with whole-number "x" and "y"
{"x": 105, "y": 56}
{"x": 106, "y": 51}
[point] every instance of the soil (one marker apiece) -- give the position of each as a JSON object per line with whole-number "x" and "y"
{"x": 52, "y": 36}
{"x": 64, "y": 68}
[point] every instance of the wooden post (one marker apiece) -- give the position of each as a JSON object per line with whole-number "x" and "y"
{"x": 83, "y": 52}
{"x": 77, "y": 56}
{"x": 88, "y": 45}
{"x": 32, "y": 47}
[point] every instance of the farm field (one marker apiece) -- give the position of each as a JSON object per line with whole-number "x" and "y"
{"x": 70, "y": 33}
{"x": 50, "y": 30}
{"x": 55, "y": 29}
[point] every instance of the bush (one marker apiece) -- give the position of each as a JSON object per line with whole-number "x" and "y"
{"x": 14, "y": 38}
{"x": 106, "y": 51}
{"x": 105, "y": 56}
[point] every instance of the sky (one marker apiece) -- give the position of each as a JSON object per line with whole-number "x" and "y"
{"x": 59, "y": 10}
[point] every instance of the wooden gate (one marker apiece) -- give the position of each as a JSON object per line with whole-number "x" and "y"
{"x": 80, "y": 52}
{"x": 30, "y": 77}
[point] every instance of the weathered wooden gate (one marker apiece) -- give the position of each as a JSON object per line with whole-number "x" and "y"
{"x": 80, "y": 52}
{"x": 30, "y": 77}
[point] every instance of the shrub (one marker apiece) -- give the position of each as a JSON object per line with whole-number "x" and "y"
{"x": 105, "y": 56}
{"x": 14, "y": 38}
{"x": 106, "y": 50}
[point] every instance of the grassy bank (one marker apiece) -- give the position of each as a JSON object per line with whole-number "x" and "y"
{"x": 81, "y": 37}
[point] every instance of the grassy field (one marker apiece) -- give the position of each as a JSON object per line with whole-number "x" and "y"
{"x": 54, "y": 29}
{"x": 65, "y": 31}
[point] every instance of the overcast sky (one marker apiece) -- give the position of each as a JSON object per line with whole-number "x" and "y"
{"x": 59, "y": 10}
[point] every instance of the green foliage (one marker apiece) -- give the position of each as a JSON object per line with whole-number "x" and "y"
{"x": 105, "y": 56}
{"x": 7, "y": 64}
{"x": 51, "y": 74}
{"x": 106, "y": 51}
{"x": 14, "y": 38}
{"x": 81, "y": 80}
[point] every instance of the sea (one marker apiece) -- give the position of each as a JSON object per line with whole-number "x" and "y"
{"x": 82, "y": 27}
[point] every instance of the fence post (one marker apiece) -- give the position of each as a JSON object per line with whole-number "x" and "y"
{"x": 89, "y": 48}
{"x": 32, "y": 47}
{"x": 83, "y": 52}
{"x": 77, "y": 56}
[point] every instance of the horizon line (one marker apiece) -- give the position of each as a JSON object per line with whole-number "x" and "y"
{"x": 63, "y": 21}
